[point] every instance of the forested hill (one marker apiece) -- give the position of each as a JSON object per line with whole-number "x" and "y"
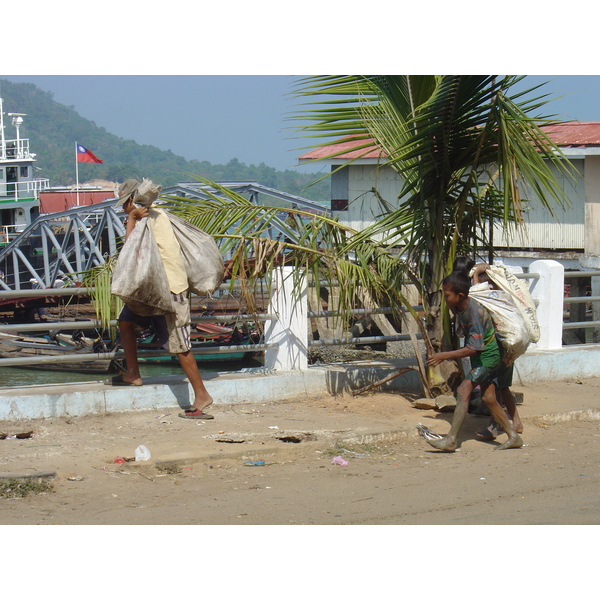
{"x": 53, "y": 129}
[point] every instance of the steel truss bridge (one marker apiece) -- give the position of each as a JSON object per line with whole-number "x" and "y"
{"x": 70, "y": 242}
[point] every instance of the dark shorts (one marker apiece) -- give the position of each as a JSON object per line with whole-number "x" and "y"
{"x": 173, "y": 330}
{"x": 159, "y": 323}
{"x": 481, "y": 375}
{"x": 504, "y": 377}
{"x": 501, "y": 376}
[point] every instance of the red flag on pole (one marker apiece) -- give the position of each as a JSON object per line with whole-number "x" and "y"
{"x": 84, "y": 155}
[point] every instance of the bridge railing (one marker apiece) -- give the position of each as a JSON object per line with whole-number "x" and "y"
{"x": 286, "y": 342}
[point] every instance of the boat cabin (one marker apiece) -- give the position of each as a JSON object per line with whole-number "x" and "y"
{"x": 19, "y": 188}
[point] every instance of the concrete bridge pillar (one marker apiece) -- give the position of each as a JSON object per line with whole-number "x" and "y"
{"x": 290, "y": 329}
{"x": 548, "y": 290}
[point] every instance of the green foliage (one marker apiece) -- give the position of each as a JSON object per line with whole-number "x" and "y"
{"x": 53, "y": 129}
{"x": 19, "y": 488}
{"x": 106, "y": 305}
{"x": 465, "y": 146}
{"x": 317, "y": 245}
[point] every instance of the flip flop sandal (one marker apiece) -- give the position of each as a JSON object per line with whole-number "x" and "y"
{"x": 196, "y": 414}
{"x": 489, "y": 434}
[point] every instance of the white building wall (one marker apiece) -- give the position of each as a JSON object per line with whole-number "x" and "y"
{"x": 592, "y": 218}
{"x": 563, "y": 231}
{"x": 363, "y": 205}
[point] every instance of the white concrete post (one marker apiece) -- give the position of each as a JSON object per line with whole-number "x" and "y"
{"x": 290, "y": 329}
{"x": 549, "y": 291}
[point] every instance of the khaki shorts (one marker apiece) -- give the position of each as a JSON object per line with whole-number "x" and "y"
{"x": 172, "y": 330}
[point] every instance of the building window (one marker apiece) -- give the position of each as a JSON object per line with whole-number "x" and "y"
{"x": 339, "y": 204}
{"x": 24, "y": 172}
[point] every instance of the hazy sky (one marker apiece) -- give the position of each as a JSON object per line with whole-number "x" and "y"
{"x": 220, "y": 117}
{"x": 213, "y": 118}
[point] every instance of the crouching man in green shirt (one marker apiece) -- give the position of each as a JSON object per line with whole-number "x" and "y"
{"x": 482, "y": 348}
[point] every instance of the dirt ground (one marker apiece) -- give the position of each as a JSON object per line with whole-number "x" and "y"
{"x": 211, "y": 472}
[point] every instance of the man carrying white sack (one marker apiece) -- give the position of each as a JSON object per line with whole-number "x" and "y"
{"x": 172, "y": 328}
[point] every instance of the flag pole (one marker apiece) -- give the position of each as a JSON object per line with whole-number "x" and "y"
{"x": 77, "y": 173}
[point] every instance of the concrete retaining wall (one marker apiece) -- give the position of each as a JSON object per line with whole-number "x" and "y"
{"x": 77, "y": 399}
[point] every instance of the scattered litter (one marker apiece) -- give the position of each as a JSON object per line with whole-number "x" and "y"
{"x": 482, "y": 478}
{"x": 355, "y": 453}
{"x": 75, "y": 478}
{"x": 162, "y": 416}
{"x": 16, "y": 436}
{"x": 426, "y": 433}
{"x": 142, "y": 453}
{"x": 223, "y": 431}
{"x": 119, "y": 460}
{"x": 273, "y": 427}
{"x": 255, "y": 463}
{"x": 338, "y": 460}
{"x": 297, "y": 438}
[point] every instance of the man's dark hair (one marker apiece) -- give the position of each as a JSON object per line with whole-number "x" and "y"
{"x": 458, "y": 282}
{"x": 464, "y": 264}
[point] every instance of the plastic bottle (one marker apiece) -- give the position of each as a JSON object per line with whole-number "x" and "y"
{"x": 142, "y": 453}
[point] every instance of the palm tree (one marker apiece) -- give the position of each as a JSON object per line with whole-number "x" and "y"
{"x": 465, "y": 147}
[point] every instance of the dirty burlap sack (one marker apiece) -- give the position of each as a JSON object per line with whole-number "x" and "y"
{"x": 511, "y": 329}
{"x": 139, "y": 277}
{"x": 518, "y": 289}
{"x": 203, "y": 261}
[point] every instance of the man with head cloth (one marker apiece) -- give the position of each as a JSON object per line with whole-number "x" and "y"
{"x": 173, "y": 329}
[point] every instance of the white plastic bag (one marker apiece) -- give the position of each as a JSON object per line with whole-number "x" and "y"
{"x": 139, "y": 277}
{"x": 142, "y": 453}
{"x": 511, "y": 330}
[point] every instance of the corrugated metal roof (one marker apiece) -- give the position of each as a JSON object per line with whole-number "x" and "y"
{"x": 575, "y": 133}
{"x": 572, "y": 134}
{"x": 346, "y": 148}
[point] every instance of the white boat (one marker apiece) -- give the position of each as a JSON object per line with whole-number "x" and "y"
{"x": 19, "y": 188}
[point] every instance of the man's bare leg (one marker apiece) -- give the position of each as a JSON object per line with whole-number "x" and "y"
{"x": 448, "y": 442}
{"x": 511, "y": 407}
{"x": 129, "y": 344}
{"x": 202, "y": 398}
{"x": 514, "y": 440}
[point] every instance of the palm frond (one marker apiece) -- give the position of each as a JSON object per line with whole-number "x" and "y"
{"x": 106, "y": 305}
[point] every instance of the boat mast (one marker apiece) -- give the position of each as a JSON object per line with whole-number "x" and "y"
{"x": 3, "y": 141}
